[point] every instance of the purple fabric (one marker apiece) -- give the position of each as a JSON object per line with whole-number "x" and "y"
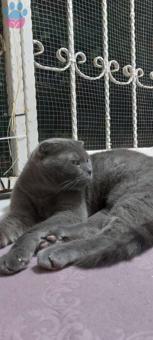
{"x": 113, "y": 303}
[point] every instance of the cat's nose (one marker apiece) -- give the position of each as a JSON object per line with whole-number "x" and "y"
{"x": 87, "y": 169}
{"x": 89, "y": 172}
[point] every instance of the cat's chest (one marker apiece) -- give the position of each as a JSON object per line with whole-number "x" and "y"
{"x": 45, "y": 207}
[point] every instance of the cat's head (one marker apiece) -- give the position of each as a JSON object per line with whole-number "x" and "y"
{"x": 65, "y": 163}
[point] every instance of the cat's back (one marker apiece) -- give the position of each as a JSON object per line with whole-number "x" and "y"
{"x": 118, "y": 173}
{"x": 121, "y": 158}
{"x": 122, "y": 165}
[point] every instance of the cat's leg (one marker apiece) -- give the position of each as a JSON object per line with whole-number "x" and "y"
{"x": 104, "y": 248}
{"x": 26, "y": 245}
{"x": 129, "y": 233}
{"x": 22, "y": 251}
{"x": 12, "y": 227}
{"x": 77, "y": 231}
{"x": 21, "y": 217}
{"x": 84, "y": 251}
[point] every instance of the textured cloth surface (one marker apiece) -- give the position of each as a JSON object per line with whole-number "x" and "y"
{"x": 114, "y": 303}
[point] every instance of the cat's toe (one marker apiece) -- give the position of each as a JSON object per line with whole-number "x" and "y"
{"x": 66, "y": 234}
{"x": 58, "y": 236}
{"x": 4, "y": 240}
{"x": 58, "y": 257}
{"x": 50, "y": 262}
{"x": 12, "y": 264}
{"x": 5, "y": 266}
{"x": 4, "y": 269}
{"x": 7, "y": 237}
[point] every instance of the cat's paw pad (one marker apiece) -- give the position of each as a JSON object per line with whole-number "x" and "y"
{"x": 46, "y": 241}
{"x": 15, "y": 14}
{"x": 60, "y": 236}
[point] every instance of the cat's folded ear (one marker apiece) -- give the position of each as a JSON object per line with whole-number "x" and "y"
{"x": 44, "y": 148}
{"x": 81, "y": 142}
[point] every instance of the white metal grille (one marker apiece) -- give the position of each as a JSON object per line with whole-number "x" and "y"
{"x": 93, "y": 74}
{"x": 105, "y": 103}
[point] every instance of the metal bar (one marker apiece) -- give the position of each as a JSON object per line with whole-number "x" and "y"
{"x": 106, "y": 76}
{"x": 134, "y": 81}
{"x": 29, "y": 81}
{"x": 72, "y": 70}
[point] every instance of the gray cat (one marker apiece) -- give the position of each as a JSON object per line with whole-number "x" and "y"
{"x": 88, "y": 211}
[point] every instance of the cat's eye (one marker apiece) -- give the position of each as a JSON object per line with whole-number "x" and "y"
{"x": 75, "y": 162}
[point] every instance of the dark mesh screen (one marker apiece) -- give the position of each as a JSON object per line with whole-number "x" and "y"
{"x": 53, "y": 89}
{"x": 5, "y": 161}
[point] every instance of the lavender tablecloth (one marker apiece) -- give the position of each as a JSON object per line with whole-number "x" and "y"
{"x": 114, "y": 303}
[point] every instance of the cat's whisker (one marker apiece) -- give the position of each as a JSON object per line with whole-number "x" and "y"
{"x": 69, "y": 184}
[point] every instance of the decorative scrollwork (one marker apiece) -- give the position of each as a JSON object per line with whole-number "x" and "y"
{"x": 40, "y": 46}
{"x": 62, "y": 55}
{"x": 127, "y": 72}
{"x": 140, "y": 74}
{"x": 79, "y": 58}
{"x": 98, "y": 62}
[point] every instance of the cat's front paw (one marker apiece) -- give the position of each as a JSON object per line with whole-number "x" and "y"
{"x": 58, "y": 256}
{"x": 62, "y": 235}
{"x": 12, "y": 263}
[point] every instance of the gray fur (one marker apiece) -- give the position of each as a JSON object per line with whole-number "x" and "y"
{"x": 98, "y": 218}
